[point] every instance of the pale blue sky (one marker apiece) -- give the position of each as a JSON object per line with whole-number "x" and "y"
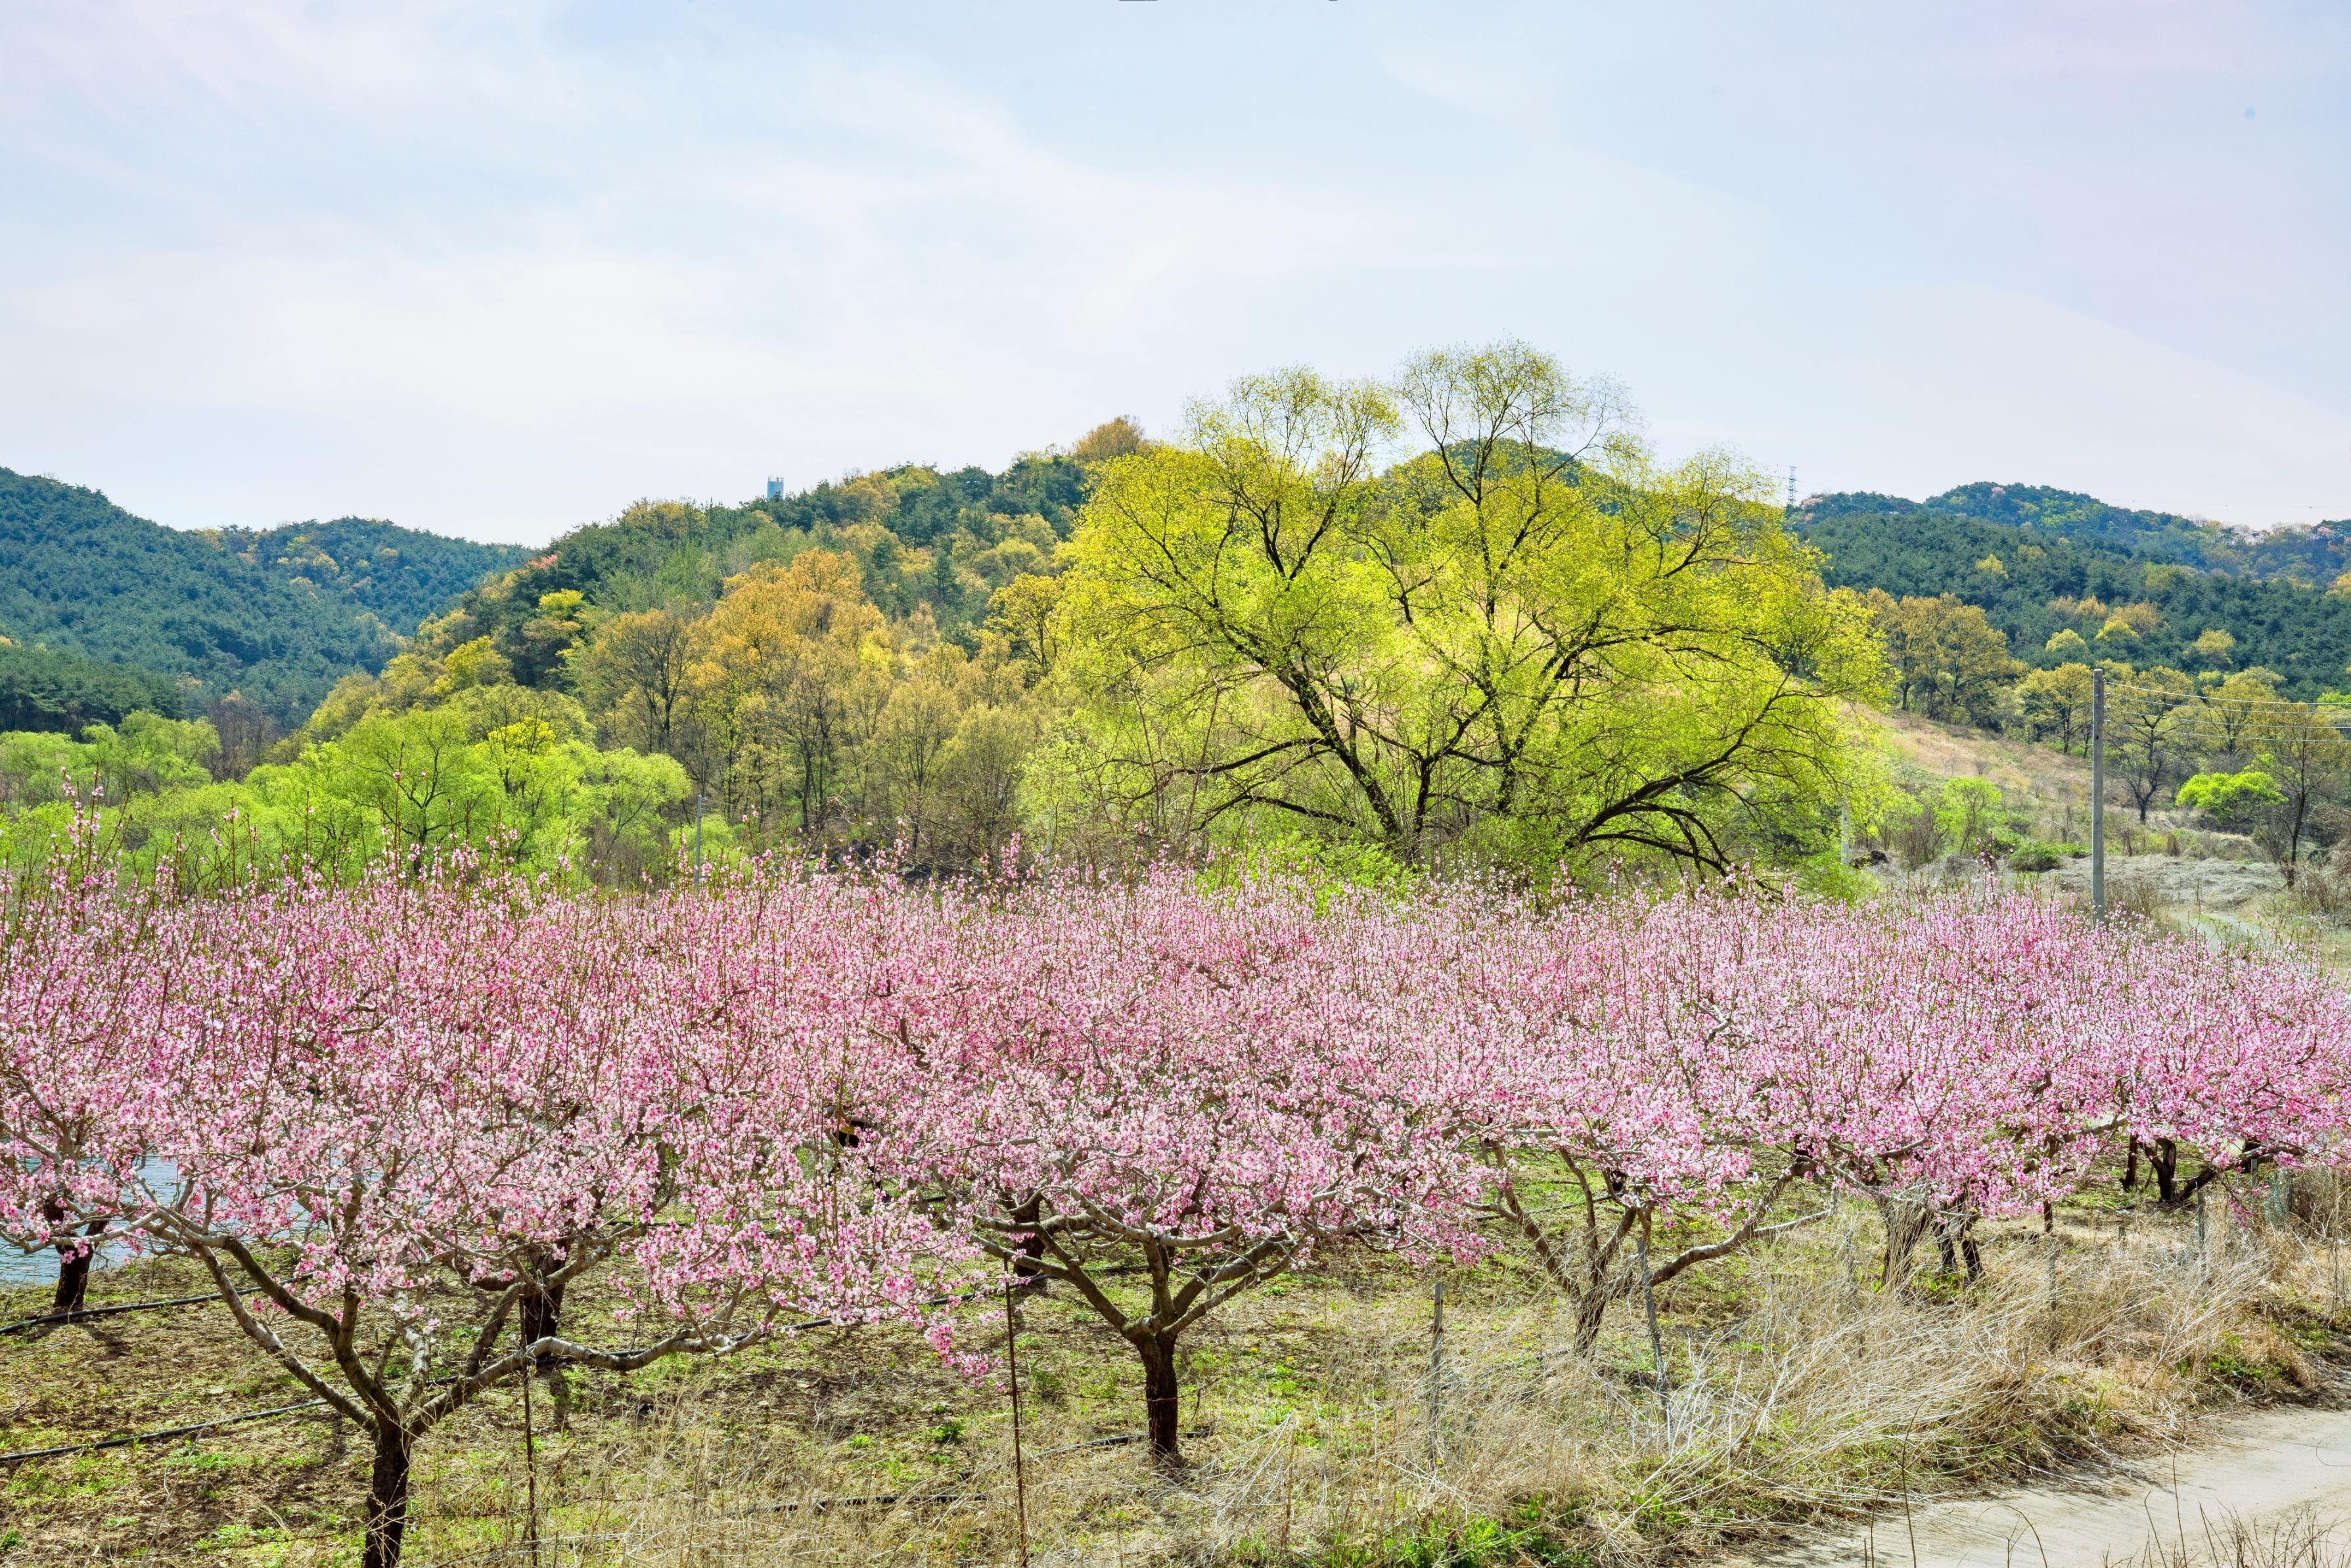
{"x": 497, "y": 269}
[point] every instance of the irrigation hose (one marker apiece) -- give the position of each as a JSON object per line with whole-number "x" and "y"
{"x": 78, "y": 1314}
{"x": 168, "y": 1432}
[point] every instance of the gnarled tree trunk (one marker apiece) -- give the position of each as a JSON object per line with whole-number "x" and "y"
{"x": 1162, "y": 1401}
{"x": 1028, "y": 1250}
{"x": 542, "y": 1318}
{"x": 387, "y": 1505}
{"x": 1955, "y": 1236}
{"x": 74, "y": 1261}
{"x": 1906, "y": 1222}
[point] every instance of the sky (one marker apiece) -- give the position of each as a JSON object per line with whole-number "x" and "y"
{"x": 497, "y": 269}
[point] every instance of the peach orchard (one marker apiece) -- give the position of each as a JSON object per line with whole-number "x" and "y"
{"x": 395, "y": 1121}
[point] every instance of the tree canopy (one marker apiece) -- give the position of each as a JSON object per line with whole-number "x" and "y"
{"x": 1529, "y": 638}
{"x": 2065, "y": 577}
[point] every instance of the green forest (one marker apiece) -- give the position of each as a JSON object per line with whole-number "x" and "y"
{"x": 95, "y": 602}
{"x": 1085, "y": 654}
{"x": 2041, "y": 564}
{"x": 1463, "y": 616}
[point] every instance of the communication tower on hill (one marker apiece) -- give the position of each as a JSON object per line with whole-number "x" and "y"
{"x": 1792, "y": 487}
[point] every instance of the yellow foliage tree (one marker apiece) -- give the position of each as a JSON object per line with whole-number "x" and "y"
{"x": 1531, "y": 641}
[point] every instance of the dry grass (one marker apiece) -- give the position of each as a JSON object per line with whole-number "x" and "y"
{"x": 2299, "y": 1540}
{"x": 2021, "y": 768}
{"x": 2046, "y": 793}
{"x": 1799, "y": 1394}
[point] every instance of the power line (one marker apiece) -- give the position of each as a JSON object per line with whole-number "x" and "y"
{"x": 2212, "y": 699}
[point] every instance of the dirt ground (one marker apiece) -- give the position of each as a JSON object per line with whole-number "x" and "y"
{"x": 2272, "y": 1487}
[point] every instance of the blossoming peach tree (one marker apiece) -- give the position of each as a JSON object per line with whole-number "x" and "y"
{"x": 1164, "y": 1098}
{"x": 390, "y": 1120}
{"x": 398, "y": 1121}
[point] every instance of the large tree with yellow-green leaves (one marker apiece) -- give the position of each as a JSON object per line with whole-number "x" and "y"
{"x": 1461, "y": 612}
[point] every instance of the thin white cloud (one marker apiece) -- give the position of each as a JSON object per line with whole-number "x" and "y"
{"x": 503, "y": 266}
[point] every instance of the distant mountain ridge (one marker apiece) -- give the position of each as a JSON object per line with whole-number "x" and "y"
{"x": 2039, "y": 562}
{"x": 277, "y": 614}
{"x": 2318, "y": 553}
{"x": 101, "y": 608}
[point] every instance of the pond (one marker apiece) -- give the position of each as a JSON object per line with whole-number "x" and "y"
{"x": 19, "y": 1269}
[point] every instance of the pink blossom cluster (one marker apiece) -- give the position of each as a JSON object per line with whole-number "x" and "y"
{"x": 1979, "y": 1049}
{"x": 402, "y": 1079}
{"x": 796, "y": 1094}
{"x": 403, "y": 1084}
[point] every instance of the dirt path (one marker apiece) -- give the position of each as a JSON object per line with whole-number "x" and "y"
{"x": 2261, "y": 1481}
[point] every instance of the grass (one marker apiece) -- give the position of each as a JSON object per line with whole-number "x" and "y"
{"x": 1799, "y": 1394}
{"x": 2190, "y": 878}
{"x": 2300, "y": 1540}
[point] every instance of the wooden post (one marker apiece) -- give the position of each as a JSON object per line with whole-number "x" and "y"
{"x": 1649, "y": 1300}
{"x": 1435, "y": 1369}
{"x": 1012, "y": 1369}
{"x": 530, "y": 1467}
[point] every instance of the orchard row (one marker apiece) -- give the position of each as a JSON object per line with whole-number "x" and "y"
{"x": 412, "y": 1114}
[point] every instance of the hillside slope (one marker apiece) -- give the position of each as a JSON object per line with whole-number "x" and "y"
{"x": 937, "y": 544}
{"x": 278, "y": 615}
{"x": 2040, "y": 562}
{"x": 2317, "y": 554}
{"x": 399, "y": 576}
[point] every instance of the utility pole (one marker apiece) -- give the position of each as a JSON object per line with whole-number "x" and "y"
{"x": 2098, "y": 791}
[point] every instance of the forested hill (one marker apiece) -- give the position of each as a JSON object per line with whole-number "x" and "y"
{"x": 399, "y": 576}
{"x": 2316, "y": 555}
{"x": 278, "y": 615}
{"x": 931, "y": 545}
{"x": 2041, "y": 563}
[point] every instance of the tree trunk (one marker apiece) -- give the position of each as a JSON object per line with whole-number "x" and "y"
{"x": 387, "y": 1507}
{"x": 1955, "y": 1238}
{"x": 2130, "y": 1167}
{"x": 1591, "y": 1311}
{"x": 1030, "y": 1250}
{"x": 2163, "y": 1154}
{"x": 1162, "y": 1405}
{"x": 73, "y": 1269}
{"x": 1906, "y": 1220}
{"x": 542, "y": 1317}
